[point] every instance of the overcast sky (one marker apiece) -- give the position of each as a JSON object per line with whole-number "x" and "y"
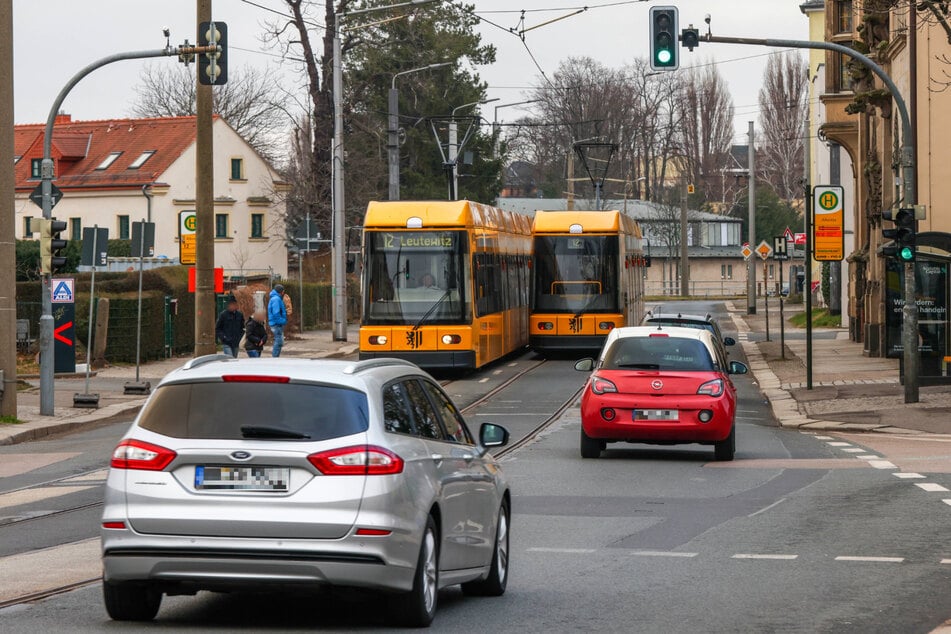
{"x": 55, "y": 38}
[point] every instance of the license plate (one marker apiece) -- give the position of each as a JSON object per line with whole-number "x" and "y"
{"x": 656, "y": 414}
{"x": 255, "y": 478}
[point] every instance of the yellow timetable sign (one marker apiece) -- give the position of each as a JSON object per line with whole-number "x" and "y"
{"x": 828, "y": 223}
{"x": 187, "y": 240}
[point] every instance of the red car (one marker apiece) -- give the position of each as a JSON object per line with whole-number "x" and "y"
{"x": 659, "y": 385}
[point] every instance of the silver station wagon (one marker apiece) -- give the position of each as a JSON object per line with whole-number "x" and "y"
{"x": 262, "y": 473}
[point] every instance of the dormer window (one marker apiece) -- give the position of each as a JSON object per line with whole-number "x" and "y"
{"x": 109, "y": 160}
{"x": 139, "y": 162}
{"x": 35, "y": 168}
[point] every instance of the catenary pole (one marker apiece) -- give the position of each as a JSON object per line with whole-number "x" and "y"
{"x": 684, "y": 261}
{"x": 204, "y": 210}
{"x": 751, "y": 233}
{"x": 807, "y": 250}
{"x": 8, "y": 307}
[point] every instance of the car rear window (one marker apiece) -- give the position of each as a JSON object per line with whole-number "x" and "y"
{"x": 658, "y": 353}
{"x": 219, "y": 410}
{"x": 699, "y": 325}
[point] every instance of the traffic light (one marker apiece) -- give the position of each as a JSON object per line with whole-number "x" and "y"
{"x": 903, "y": 236}
{"x": 213, "y": 67}
{"x": 664, "y": 38}
{"x": 51, "y": 246}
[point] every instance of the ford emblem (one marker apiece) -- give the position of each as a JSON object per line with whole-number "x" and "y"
{"x": 240, "y": 455}
{"x": 656, "y": 384}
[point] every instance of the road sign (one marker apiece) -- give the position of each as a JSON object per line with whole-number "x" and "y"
{"x": 99, "y": 236}
{"x": 187, "y": 238}
{"x": 788, "y": 234}
{"x": 780, "y": 248}
{"x": 799, "y": 239}
{"x": 37, "y": 195}
{"x": 63, "y": 290}
{"x": 828, "y": 226}
{"x": 746, "y": 251}
{"x": 143, "y": 239}
{"x": 763, "y": 250}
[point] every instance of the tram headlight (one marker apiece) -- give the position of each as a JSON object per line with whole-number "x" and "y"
{"x": 606, "y": 325}
{"x": 451, "y": 339}
{"x": 546, "y": 325}
{"x": 378, "y": 340}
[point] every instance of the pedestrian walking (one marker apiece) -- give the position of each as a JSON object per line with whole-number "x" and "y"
{"x": 230, "y": 327}
{"x": 255, "y": 333}
{"x": 277, "y": 318}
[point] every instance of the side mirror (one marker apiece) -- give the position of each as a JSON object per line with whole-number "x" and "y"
{"x": 492, "y": 435}
{"x": 585, "y": 365}
{"x": 738, "y": 368}
{"x": 729, "y": 341}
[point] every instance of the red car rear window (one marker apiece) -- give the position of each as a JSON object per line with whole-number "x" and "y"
{"x": 658, "y": 353}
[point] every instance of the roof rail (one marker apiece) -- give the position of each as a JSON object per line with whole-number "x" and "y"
{"x": 208, "y": 358}
{"x": 360, "y": 366}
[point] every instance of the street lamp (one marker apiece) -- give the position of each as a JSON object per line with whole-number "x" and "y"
{"x": 393, "y": 145}
{"x": 454, "y": 144}
{"x": 339, "y": 217}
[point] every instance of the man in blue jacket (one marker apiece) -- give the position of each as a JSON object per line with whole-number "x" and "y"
{"x": 276, "y": 318}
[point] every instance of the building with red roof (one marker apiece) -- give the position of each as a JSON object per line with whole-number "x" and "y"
{"x": 103, "y": 166}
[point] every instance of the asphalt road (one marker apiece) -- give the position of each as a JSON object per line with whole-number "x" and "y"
{"x": 801, "y": 533}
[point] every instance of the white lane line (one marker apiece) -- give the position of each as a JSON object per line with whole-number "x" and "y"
{"x": 882, "y": 464}
{"x": 662, "y": 553}
{"x": 766, "y": 508}
{"x": 749, "y": 411}
{"x": 753, "y": 556}
{"x": 497, "y": 372}
{"x": 839, "y": 444}
{"x": 852, "y": 449}
{"x": 930, "y": 486}
{"x": 823, "y": 437}
{"x": 882, "y": 560}
{"x": 908, "y": 475}
{"x": 948, "y": 502}
{"x": 946, "y": 561}
{"x": 869, "y": 457}
{"x": 485, "y": 380}
{"x": 569, "y": 551}
{"x": 26, "y": 496}
{"x": 513, "y": 364}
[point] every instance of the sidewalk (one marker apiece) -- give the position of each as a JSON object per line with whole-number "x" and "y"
{"x": 851, "y": 392}
{"x": 115, "y": 405}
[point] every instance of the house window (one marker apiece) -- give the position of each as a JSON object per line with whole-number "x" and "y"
{"x": 843, "y": 77}
{"x": 729, "y": 271}
{"x": 76, "y": 228}
{"x": 257, "y": 225}
{"x": 28, "y": 227}
{"x": 109, "y": 160}
{"x": 139, "y": 162}
{"x": 772, "y": 268}
{"x": 843, "y": 16}
{"x": 123, "y": 227}
{"x": 237, "y": 169}
{"x": 221, "y": 226}
{"x": 36, "y": 168}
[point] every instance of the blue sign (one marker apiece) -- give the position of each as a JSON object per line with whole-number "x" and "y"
{"x": 62, "y": 291}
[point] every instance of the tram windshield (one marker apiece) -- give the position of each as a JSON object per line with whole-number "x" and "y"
{"x": 576, "y": 274}
{"x": 416, "y": 277}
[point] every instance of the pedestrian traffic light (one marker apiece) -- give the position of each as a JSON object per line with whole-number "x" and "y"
{"x": 51, "y": 246}
{"x": 903, "y": 236}
{"x": 664, "y": 38}
{"x": 213, "y": 67}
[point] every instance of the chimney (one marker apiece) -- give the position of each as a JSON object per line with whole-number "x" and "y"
{"x": 62, "y": 117}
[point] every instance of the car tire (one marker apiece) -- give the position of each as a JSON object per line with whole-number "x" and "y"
{"x": 131, "y": 602}
{"x": 494, "y": 585}
{"x": 590, "y": 448}
{"x": 417, "y": 607}
{"x": 724, "y": 450}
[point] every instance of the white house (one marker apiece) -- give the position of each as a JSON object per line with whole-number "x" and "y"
{"x": 102, "y": 167}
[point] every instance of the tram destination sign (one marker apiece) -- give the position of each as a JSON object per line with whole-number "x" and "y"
{"x": 828, "y": 223}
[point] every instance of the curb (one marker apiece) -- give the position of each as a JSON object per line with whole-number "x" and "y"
{"x": 106, "y": 415}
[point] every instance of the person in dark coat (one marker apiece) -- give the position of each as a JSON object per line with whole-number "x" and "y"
{"x": 255, "y": 334}
{"x": 230, "y": 327}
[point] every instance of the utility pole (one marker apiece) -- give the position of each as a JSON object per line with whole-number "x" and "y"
{"x": 339, "y": 267}
{"x": 204, "y": 211}
{"x": 571, "y": 182}
{"x": 684, "y": 261}
{"x": 807, "y": 255}
{"x": 8, "y": 306}
{"x": 751, "y": 235}
{"x": 393, "y": 142}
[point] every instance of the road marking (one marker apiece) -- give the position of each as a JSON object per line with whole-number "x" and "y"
{"x": 17, "y": 463}
{"x": 823, "y": 437}
{"x": 852, "y": 449}
{"x": 766, "y": 508}
{"x": 930, "y": 486}
{"x": 751, "y": 556}
{"x": 839, "y": 444}
{"x": 908, "y": 475}
{"x": 39, "y": 570}
{"x": 485, "y": 380}
{"x": 946, "y": 561}
{"x": 883, "y": 560}
{"x": 662, "y": 553}
{"x": 869, "y": 457}
{"x": 749, "y": 411}
{"x": 882, "y": 464}
{"x": 569, "y": 551}
{"x": 497, "y": 372}
{"x": 94, "y": 476}
{"x": 26, "y": 496}
{"x": 513, "y": 364}
{"x": 948, "y": 502}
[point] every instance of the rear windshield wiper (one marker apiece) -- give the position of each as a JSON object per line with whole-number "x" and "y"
{"x": 251, "y": 431}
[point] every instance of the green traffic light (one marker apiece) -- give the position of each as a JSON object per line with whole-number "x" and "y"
{"x": 906, "y": 254}
{"x": 663, "y": 56}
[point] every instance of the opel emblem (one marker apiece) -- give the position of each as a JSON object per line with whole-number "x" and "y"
{"x": 656, "y": 384}
{"x": 240, "y": 455}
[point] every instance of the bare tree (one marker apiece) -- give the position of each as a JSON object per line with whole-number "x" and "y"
{"x": 251, "y": 102}
{"x": 783, "y": 101}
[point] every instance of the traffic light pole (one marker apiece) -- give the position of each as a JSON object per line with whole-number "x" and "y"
{"x": 46, "y": 175}
{"x": 911, "y": 359}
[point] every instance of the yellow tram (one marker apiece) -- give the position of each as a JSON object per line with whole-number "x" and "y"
{"x": 588, "y": 278}
{"x": 445, "y": 283}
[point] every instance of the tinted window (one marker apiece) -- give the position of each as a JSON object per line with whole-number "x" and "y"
{"x": 455, "y": 429}
{"x": 658, "y": 353}
{"x": 427, "y": 422}
{"x": 219, "y": 410}
{"x": 397, "y": 416}
{"x": 680, "y": 323}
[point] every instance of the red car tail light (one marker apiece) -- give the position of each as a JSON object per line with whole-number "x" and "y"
{"x": 711, "y": 388}
{"x": 373, "y": 532}
{"x": 602, "y": 386}
{"x": 357, "y": 460}
{"x": 142, "y": 456}
{"x": 608, "y": 413}
{"x": 254, "y": 378}
{"x": 114, "y": 525}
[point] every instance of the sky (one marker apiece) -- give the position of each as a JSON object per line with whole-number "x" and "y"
{"x": 53, "y": 39}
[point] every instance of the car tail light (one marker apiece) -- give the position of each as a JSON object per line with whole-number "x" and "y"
{"x": 711, "y": 388}
{"x": 546, "y": 325}
{"x": 142, "y": 456}
{"x": 608, "y": 413}
{"x": 606, "y": 325}
{"x": 254, "y": 378}
{"x": 114, "y": 525}
{"x": 378, "y": 340}
{"x": 357, "y": 460}
{"x": 658, "y": 334}
{"x": 373, "y": 532}
{"x": 450, "y": 339}
{"x": 602, "y": 386}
